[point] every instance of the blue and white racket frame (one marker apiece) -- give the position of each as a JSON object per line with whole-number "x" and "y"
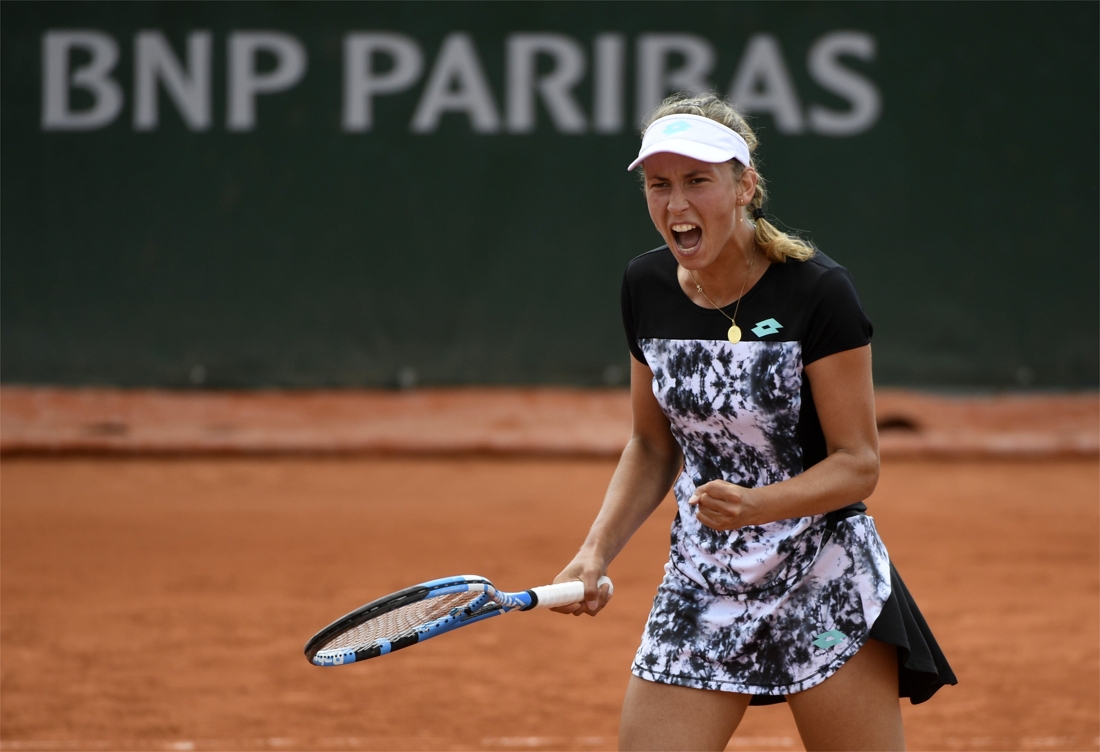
{"x": 491, "y": 602}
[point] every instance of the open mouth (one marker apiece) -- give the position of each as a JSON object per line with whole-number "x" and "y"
{"x": 687, "y": 236}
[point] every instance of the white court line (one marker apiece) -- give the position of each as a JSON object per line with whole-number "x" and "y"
{"x": 1076, "y": 743}
{"x": 1053, "y": 742}
{"x": 561, "y": 742}
{"x": 189, "y": 745}
{"x": 1071, "y": 743}
{"x": 763, "y": 742}
{"x": 552, "y": 742}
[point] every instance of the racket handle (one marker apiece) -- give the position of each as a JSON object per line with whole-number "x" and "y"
{"x": 565, "y": 593}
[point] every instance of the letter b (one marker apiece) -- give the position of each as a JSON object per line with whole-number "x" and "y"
{"x": 94, "y": 78}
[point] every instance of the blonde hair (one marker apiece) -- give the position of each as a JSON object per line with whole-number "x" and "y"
{"x": 778, "y": 245}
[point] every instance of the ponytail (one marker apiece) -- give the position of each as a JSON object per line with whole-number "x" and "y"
{"x": 777, "y": 245}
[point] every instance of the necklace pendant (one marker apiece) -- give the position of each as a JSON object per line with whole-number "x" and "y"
{"x": 735, "y": 334}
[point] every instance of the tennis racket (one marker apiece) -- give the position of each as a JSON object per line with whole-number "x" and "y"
{"x": 428, "y": 610}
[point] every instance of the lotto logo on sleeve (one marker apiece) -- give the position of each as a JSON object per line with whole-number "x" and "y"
{"x": 766, "y": 327}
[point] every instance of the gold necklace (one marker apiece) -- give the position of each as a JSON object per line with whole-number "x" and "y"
{"x": 734, "y": 333}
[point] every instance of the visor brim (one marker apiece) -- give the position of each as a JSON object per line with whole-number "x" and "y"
{"x": 693, "y": 149}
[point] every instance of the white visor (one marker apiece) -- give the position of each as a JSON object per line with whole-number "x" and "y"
{"x": 693, "y": 136}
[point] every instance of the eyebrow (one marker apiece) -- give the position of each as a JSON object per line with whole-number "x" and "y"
{"x": 691, "y": 174}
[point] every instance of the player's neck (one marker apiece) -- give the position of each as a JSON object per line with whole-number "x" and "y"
{"x": 734, "y": 270}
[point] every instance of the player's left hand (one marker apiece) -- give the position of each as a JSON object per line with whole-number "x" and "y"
{"x": 724, "y": 506}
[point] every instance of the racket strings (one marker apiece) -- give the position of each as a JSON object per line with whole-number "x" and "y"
{"x": 400, "y": 622}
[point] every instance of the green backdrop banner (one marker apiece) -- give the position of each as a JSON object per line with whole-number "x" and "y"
{"x": 346, "y": 194}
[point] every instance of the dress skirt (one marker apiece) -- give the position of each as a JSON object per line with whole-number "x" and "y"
{"x": 783, "y": 640}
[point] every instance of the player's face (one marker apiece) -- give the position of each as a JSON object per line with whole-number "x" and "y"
{"x": 694, "y": 205}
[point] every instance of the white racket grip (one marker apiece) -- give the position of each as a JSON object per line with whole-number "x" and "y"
{"x": 566, "y": 593}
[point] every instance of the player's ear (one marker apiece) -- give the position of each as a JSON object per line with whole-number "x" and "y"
{"x": 747, "y": 185}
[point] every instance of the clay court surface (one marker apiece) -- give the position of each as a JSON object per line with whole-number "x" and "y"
{"x": 163, "y": 603}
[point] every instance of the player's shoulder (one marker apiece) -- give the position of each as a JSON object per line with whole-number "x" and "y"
{"x": 651, "y": 275}
{"x": 817, "y": 274}
{"x": 815, "y": 267}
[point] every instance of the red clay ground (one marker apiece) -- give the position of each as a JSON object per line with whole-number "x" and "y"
{"x": 163, "y": 603}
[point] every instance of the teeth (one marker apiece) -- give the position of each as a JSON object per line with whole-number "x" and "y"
{"x": 682, "y": 228}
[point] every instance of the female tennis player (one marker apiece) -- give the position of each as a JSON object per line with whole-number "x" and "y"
{"x": 752, "y": 399}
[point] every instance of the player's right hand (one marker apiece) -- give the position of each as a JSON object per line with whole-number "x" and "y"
{"x": 588, "y": 570}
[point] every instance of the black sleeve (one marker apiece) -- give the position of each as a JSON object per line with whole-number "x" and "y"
{"x": 837, "y": 321}
{"x": 628, "y": 321}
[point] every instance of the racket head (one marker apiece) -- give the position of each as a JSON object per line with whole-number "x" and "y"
{"x": 405, "y": 618}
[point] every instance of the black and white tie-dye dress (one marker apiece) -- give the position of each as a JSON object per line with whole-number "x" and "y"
{"x": 773, "y": 609}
